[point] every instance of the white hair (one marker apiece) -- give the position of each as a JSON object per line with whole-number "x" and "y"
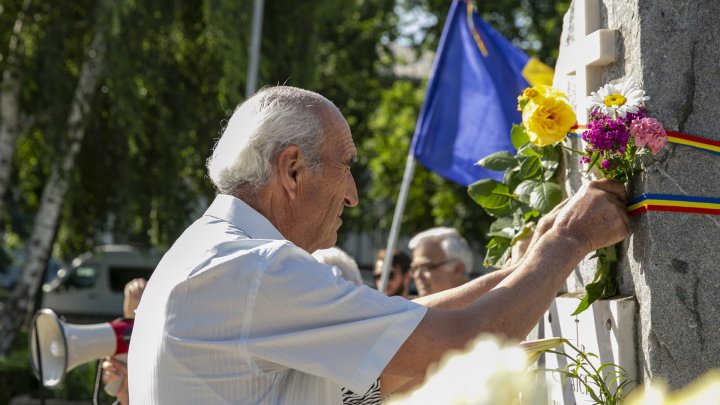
{"x": 452, "y": 244}
{"x": 261, "y": 127}
{"x": 335, "y": 256}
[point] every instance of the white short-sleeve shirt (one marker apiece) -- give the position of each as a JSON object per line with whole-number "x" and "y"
{"x": 236, "y": 314}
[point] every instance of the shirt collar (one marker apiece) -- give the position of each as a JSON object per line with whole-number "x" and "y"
{"x": 238, "y": 213}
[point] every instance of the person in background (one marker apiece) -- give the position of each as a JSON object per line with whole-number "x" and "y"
{"x": 114, "y": 369}
{"x": 337, "y": 257}
{"x": 238, "y": 311}
{"x": 441, "y": 259}
{"x": 398, "y": 282}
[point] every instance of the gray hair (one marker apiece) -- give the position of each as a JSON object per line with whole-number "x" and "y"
{"x": 335, "y": 256}
{"x": 452, "y": 244}
{"x": 261, "y": 127}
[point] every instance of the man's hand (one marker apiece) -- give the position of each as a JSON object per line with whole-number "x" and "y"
{"x": 115, "y": 374}
{"x": 595, "y": 217}
{"x": 133, "y": 291}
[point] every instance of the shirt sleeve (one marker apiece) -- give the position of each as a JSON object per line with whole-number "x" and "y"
{"x": 307, "y": 318}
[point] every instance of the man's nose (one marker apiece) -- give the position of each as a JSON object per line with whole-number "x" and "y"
{"x": 351, "y": 194}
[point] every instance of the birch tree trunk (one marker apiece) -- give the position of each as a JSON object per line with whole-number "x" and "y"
{"x": 9, "y": 104}
{"x": 20, "y": 304}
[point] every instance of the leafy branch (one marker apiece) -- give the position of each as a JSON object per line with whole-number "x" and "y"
{"x": 597, "y": 381}
{"x": 526, "y": 193}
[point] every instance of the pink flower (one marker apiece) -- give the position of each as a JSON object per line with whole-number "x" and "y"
{"x": 650, "y": 132}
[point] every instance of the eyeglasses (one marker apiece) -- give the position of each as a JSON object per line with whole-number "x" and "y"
{"x": 391, "y": 276}
{"x": 428, "y": 267}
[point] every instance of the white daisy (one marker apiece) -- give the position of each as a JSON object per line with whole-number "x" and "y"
{"x": 617, "y": 100}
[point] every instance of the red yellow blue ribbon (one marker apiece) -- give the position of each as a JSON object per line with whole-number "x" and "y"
{"x": 674, "y": 203}
{"x": 696, "y": 142}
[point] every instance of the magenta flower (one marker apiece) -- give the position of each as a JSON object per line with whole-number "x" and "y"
{"x": 650, "y": 132}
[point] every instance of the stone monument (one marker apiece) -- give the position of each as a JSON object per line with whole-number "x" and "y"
{"x": 669, "y": 266}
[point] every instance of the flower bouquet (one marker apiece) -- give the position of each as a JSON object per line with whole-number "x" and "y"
{"x": 618, "y": 132}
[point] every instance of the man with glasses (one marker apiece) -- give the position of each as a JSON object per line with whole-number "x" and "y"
{"x": 399, "y": 277}
{"x": 441, "y": 259}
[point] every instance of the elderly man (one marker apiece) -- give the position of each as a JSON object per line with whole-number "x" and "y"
{"x": 238, "y": 311}
{"x": 441, "y": 259}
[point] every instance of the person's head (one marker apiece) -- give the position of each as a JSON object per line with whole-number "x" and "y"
{"x": 337, "y": 257}
{"x": 441, "y": 259}
{"x": 398, "y": 281}
{"x": 287, "y": 153}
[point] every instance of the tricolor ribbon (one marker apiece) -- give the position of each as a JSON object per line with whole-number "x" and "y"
{"x": 694, "y": 142}
{"x": 674, "y": 203}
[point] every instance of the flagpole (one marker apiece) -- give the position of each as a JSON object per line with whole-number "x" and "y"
{"x": 252, "y": 75}
{"x": 397, "y": 219}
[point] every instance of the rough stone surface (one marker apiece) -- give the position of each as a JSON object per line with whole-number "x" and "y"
{"x": 670, "y": 260}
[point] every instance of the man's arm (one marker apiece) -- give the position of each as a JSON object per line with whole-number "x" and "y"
{"x": 593, "y": 218}
{"x": 464, "y": 295}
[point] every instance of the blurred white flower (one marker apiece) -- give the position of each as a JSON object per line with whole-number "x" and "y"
{"x": 491, "y": 372}
{"x": 616, "y": 100}
{"x": 703, "y": 391}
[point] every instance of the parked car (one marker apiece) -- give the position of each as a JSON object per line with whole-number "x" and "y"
{"x": 91, "y": 290}
{"x": 10, "y": 275}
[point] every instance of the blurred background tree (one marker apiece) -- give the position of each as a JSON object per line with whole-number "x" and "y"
{"x": 173, "y": 72}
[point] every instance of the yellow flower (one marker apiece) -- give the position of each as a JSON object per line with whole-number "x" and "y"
{"x": 530, "y": 92}
{"x": 547, "y": 117}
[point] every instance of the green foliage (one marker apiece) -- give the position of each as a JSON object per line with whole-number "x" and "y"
{"x": 526, "y": 193}
{"x": 605, "y": 384}
{"x": 17, "y": 378}
{"x": 603, "y": 284}
{"x": 432, "y": 201}
{"x": 532, "y": 25}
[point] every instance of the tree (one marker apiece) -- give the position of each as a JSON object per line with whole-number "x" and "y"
{"x": 10, "y": 101}
{"x": 20, "y": 303}
{"x": 533, "y": 26}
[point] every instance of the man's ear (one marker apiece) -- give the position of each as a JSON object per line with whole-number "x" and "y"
{"x": 459, "y": 267}
{"x": 289, "y": 167}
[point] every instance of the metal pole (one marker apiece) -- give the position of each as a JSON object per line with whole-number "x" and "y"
{"x": 252, "y": 75}
{"x": 397, "y": 218}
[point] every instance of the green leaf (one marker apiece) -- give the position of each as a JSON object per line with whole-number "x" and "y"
{"x": 498, "y": 251}
{"x": 518, "y": 136}
{"x": 493, "y": 196}
{"x": 593, "y": 395}
{"x": 593, "y": 292}
{"x": 524, "y": 189}
{"x": 550, "y": 160}
{"x": 530, "y": 167}
{"x": 593, "y": 161}
{"x": 503, "y": 227}
{"x": 512, "y": 177}
{"x": 498, "y": 161}
{"x": 530, "y": 150}
{"x": 545, "y": 196}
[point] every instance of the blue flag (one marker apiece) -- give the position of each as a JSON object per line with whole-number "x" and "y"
{"x": 471, "y": 99}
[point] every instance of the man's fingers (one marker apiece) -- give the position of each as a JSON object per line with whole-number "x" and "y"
{"x": 610, "y": 186}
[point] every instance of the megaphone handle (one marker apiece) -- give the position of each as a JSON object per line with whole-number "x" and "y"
{"x": 41, "y": 389}
{"x": 112, "y": 387}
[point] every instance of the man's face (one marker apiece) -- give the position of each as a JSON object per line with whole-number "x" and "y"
{"x": 431, "y": 269}
{"x": 397, "y": 282}
{"x": 322, "y": 196}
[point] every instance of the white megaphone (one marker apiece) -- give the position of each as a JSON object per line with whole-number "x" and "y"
{"x": 64, "y": 346}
